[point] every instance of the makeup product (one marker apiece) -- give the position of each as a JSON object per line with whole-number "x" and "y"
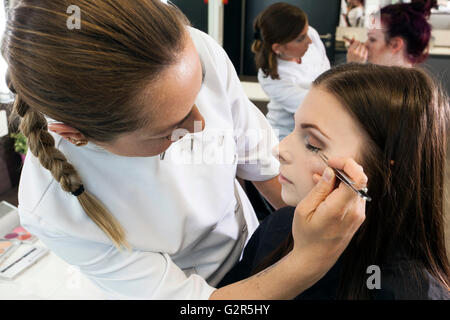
{"x": 348, "y": 39}
{"x": 345, "y": 179}
{"x": 21, "y": 235}
{"x": 6, "y": 248}
{"x": 12, "y": 270}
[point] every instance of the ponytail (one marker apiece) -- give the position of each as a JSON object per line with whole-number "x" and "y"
{"x": 265, "y": 58}
{"x": 279, "y": 23}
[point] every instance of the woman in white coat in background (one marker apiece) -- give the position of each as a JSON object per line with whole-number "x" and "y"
{"x": 148, "y": 132}
{"x": 289, "y": 56}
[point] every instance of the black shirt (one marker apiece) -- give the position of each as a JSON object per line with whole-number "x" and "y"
{"x": 397, "y": 280}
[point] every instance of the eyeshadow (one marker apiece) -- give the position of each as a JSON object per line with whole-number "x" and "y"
{"x": 5, "y": 244}
{"x": 19, "y": 234}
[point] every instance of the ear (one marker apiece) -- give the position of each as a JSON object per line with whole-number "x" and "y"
{"x": 397, "y": 44}
{"x": 67, "y": 132}
{"x": 276, "y": 47}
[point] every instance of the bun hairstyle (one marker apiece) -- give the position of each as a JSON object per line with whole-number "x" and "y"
{"x": 410, "y": 22}
{"x": 278, "y": 23}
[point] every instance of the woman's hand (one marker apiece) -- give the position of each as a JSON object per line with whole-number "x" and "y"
{"x": 324, "y": 223}
{"x": 328, "y": 217}
{"x": 357, "y": 52}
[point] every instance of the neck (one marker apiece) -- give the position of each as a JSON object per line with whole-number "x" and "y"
{"x": 297, "y": 60}
{"x": 401, "y": 61}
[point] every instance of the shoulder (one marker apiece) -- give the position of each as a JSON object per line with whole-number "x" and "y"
{"x": 208, "y": 48}
{"x": 315, "y": 38}
{"x": 35, "y": 181}
{"x": 312, "y": 33}
{"x": 45, "y": 206}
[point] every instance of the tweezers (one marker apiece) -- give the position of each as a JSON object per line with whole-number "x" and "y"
{"x": 345, "y": 179}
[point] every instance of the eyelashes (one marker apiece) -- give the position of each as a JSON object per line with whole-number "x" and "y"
{"x": 310, "y": 147}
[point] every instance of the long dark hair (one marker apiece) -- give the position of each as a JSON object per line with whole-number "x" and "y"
{"x": 405, "y": 115}
{"x": 278, "y": 23}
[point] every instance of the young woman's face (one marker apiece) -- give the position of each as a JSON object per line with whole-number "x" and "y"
{"x": 379, "y": 50}
{"x": 321, "y": 123}
{"x": 171, "y": 109}
{"x": 296, "y": 49}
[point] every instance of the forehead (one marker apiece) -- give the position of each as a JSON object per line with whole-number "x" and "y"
{"x": 305, "y": 29}
{"x": 374, "y": 31}
{"x": 324, "y": 110}
{"x": 170, "y": 98}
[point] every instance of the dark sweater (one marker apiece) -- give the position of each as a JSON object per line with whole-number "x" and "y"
{"x": 396, "y": 281}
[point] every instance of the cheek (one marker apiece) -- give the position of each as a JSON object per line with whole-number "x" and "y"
{"x": 294, "y": 49}
{"x": 377, "y": 50}
{"x": 305, "y": 167}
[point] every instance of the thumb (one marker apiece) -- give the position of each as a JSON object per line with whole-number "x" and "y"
{"x": 319, "y": 193}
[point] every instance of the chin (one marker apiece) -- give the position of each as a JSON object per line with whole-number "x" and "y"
{"x": 289, "y": 197}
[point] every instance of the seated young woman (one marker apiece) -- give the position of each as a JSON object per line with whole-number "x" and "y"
{"x": 393, "y": 122}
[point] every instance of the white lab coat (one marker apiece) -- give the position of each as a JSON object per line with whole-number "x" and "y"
{"x": 186, "y": 217}
{"x": 287, "y": 93}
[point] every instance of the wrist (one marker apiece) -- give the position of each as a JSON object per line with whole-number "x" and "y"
{"x": 313, "y": 266}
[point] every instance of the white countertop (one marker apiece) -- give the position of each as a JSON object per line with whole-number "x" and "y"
{"x": 254, "y": 91}
{"x": 50, "y": 278}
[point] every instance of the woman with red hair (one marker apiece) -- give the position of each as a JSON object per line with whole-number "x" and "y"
{"x": 402, "y": 40}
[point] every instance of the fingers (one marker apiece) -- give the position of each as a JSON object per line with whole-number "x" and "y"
{"x": 357, "y": 52}
{"x": 316, "y": 178}
{"x": 343, "y": 199}
{"x": 319, "y": 193}
{"x": 352, "y": 169}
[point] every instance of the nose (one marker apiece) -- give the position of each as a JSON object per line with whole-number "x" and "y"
{"x": 280, "y": 152}
{"x": 193, "y": 124}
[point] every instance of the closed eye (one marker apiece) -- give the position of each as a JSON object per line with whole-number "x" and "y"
{"x": 310, "y": 147}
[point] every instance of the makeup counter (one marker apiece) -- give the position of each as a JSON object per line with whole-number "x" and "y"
{"x": 29, "y": 271}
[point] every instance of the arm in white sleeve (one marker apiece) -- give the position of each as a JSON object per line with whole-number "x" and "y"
{"x": 123, "y": 274}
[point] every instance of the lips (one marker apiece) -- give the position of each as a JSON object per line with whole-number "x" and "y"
{"x": 283, "y": 179}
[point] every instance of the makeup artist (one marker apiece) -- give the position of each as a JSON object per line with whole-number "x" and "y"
{"x": 137, "y": 129}
{"x": 289, "y": 55}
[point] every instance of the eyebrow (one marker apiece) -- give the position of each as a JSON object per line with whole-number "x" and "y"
{"x": 175, "y": 125}
{"x": 313, "y": 126}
